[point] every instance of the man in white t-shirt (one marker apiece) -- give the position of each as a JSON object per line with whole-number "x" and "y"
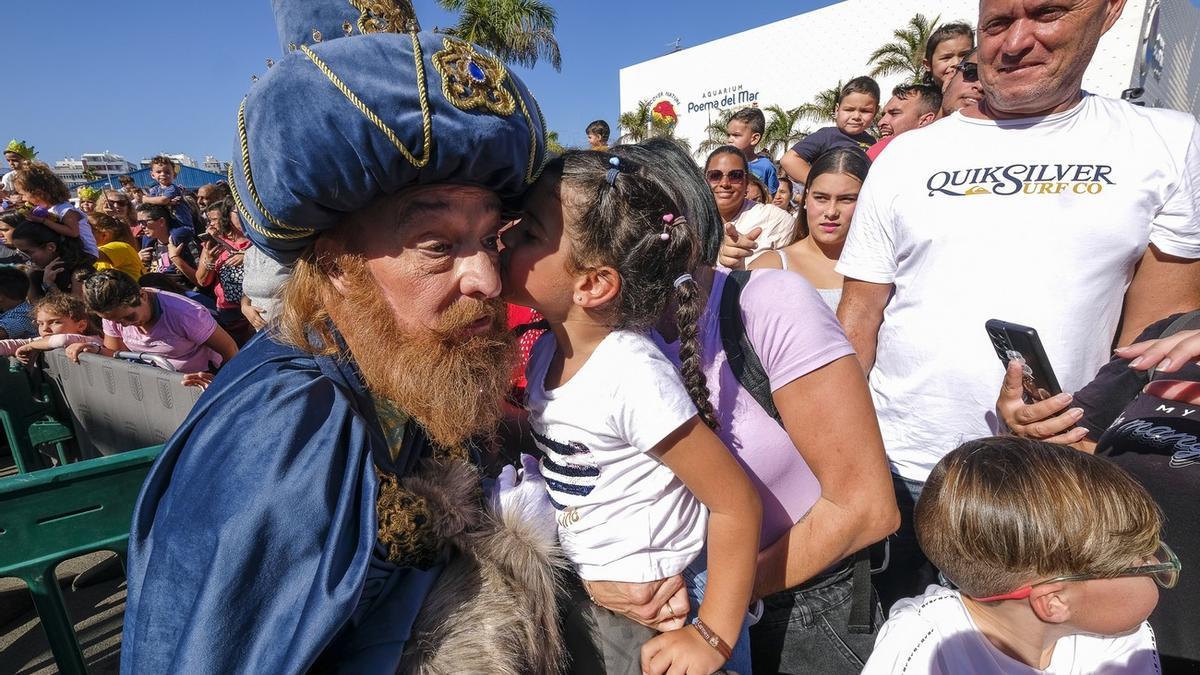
{"x": 1062, "y": 208}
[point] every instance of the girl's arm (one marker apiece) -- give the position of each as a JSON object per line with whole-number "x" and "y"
{"x": 223, "y": 344}
{"x": 708, "y": 469}
{"x": 843, "y": 447}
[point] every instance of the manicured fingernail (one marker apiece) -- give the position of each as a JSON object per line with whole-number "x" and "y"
{"x": 1063, "y": 398}
{"x": 1135, "y": 362}
{"x": 1083, "y": 431}
{"x": 1164, "y": 364}
{"x": 1076, "y": 412}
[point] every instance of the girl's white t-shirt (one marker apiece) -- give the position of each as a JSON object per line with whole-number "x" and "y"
{"x": 932, "y": 634}
{"x": 85, "y": 228}
{"x": 622, "y": 514}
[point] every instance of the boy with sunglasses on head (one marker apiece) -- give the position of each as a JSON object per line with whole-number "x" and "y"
{"x": 1055, "y": 554}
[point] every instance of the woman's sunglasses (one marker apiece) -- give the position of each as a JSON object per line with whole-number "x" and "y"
{"x": 735, "y": 176}
{"x": 969, "y": 70}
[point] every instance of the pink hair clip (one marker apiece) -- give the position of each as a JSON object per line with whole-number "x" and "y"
{"x": 667, "y": 218}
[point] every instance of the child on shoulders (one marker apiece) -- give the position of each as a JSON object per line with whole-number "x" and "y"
{"x": 858, "y": 102}
{"x": 1055, "y": 556}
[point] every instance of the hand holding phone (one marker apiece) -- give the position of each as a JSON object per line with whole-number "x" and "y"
{"x": 1016, "y": 342}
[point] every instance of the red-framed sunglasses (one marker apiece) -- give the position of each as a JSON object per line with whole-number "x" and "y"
{"x": 1165, "y": 572}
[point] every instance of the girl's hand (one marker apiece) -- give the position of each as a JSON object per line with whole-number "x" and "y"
{"x": 662, "y": 605}
{"x": 201, "y": 380}
{"x": 1166, "y": 354}
{"x": 39, "y": 214}
{"x": 51, "y": 272}
{"x": 235, "y": 260}
{"x": 680, "y": 652}
{"x": 26, "y": 354}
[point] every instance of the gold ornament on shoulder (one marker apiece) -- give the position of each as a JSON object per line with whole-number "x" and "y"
{"x": 471, "y": 80}
{"x": 381, "y": 16}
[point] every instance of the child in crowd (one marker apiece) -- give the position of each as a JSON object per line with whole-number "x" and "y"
{"x": 51, "y": 202}
{"x": 857, "y": 104}
{"x": 756, "y": 190}
{"x": 16, "y": 314}
{"x": 783, "y": 196}
{"x": 111, "y": 235}
{"x": 827, "y": 208}
{"x": 597, "y": 135}
{"x": 61, "y": 320}
{"x": 55, "y": 258}
{"x": 155, "y": 322}
{"x": 165, "y": 193}
{"x": 745, "y": 131}
{"x": 87, "y": 199}
{"x": 627, "y": 442}
{"x": 1055, "y": 554}
{"x": 946, "y": 48}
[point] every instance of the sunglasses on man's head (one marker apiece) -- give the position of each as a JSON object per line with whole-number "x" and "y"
{"x": 735, "y": 176}
{"x": 969, "y": 70}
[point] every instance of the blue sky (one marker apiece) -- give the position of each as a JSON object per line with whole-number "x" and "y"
{"x": 138, "y": 77}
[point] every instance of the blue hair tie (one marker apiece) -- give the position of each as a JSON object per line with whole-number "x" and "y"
{"x": 611, "y": 174}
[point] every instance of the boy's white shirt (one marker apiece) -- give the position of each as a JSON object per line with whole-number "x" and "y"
{"x": 934, "y": 634}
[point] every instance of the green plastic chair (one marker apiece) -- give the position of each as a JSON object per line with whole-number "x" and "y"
{"x": 25, "y": 408}
{"x": 56, "y": 514}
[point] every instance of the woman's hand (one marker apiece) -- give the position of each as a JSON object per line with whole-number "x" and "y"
{"x": 201, "y": 380}
{"x": 682, "y": 652}
{"x": 736, "y": 247}
{"x": 1047, "y": 420}
{"x": 662, "y": 605}
{"x": 51, "y": 272}
{"x": 1167, "y": 354}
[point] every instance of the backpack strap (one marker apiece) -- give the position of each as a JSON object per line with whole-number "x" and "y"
{"x": 1188, "y": 321}
{"x": 739, "y": 353}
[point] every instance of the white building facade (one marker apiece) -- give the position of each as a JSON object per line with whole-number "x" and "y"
{"x": 1153, "y": 46}
{"x": 92, "y": 166}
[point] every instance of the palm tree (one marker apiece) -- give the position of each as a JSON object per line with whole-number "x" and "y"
{"x": 780, "y": 132}
{"x": 716, "y": 133}
{"x": 517, "y": 31}
{"x": 552, "y": 143}
{"x": 823, "y": 107}
{"x": 641, "y": 123}
{"x": 905, "y": 53}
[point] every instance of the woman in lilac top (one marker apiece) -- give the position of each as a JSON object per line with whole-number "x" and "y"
{"x": 822, "y": 476}
{"x": 155, "y": 322}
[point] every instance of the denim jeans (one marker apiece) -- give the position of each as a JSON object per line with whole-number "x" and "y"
{"x": 909, "y": 572}
{"x": 804, "y": 629}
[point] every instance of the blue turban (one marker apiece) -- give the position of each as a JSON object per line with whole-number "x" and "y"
{"x": 361, "y": 107}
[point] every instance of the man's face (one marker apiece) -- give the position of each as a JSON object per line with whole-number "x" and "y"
{"x": 203, "y": 197}
{"x": 741, "y": 137}
{"x": 416, "y": 281}
{"x": 1033, "y": 53}
{"x": 163, "y": 174}
{"x": 962, "y": 89}
{"x": 856, "y": 112}
{"x": 440, "y": 247}
{"x": 901, "y": 115}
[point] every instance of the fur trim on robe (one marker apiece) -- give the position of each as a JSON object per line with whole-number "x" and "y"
{"x": 493, "y": 609}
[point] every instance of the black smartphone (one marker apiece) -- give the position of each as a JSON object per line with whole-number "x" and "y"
{"x": 1014, "y": 341}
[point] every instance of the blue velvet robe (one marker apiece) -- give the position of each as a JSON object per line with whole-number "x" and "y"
{"x": 253, "y": 545}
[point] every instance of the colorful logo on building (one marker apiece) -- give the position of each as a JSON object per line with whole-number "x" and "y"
{"x": 664, "y": 111}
